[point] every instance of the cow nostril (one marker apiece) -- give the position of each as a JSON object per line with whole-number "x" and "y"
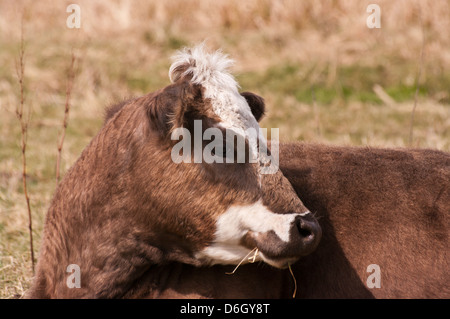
{"x": 304, "y": 232}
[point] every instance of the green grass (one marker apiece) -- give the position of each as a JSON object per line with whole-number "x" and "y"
{"x": 352, "y": 84}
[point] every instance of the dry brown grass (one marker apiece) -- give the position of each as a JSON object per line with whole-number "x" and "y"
{"x": 316, "y": 63}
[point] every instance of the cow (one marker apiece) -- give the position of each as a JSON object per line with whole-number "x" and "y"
{"x": 384, "y": 215}
{"x": 127, "y": 207}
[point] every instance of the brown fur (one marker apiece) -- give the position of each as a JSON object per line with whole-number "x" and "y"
{"x": 376, "y": 206}
{"x": 125, "y": 208}
{"x": 256, "y": 104}
{"x": 383, "y": 206}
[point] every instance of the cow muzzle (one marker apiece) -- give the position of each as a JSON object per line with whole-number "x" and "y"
{"x": 304, "y": 236}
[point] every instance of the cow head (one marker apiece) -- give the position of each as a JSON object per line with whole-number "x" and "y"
{"x": 202, "y": 212}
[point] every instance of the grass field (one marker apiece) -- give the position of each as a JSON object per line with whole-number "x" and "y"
{"x": 325, "y": 75}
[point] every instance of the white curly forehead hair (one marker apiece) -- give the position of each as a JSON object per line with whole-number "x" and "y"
{"x": 211, "y": 70}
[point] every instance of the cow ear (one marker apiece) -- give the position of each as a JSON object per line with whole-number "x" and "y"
{"x": 256, "y": 103}
{"x": 175, "y": 106}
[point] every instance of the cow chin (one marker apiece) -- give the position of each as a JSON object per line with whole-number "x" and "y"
{"x": 281, "y": 263}
{"x": 277, "y": 252}
{"x": 226, "y": 254}
{"x": 255, "y": 233}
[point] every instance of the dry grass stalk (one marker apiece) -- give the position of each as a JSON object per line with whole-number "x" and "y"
{"x": 251, "y": 259}
{"x": 419, "y": 73}
{"x": 382, "y": 95}
{"x": 24, "y": 121}
{"x": 70, "y": 78}
{"x": 295, "y": 281}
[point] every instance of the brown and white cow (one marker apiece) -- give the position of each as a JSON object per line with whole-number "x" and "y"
{"x": 126, "y": 207}
{"x": 383, "y": 207}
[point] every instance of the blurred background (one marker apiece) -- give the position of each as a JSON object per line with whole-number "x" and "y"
{"x": 326, "y": 77}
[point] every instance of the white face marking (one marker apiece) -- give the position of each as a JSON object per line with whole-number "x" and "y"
{"x": 211, "y": 71}
{"x": 235, "y": 223}
{"x": 305, "y": 213}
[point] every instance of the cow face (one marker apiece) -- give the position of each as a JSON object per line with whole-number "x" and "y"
{"x": 207, "y": 212}
{"x": 129, "y": 203}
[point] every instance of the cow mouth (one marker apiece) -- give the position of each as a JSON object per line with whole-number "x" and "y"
{"x": 303, "y": 240}
{"x": 281, "y": 263}
{"x": 267, "y": 250}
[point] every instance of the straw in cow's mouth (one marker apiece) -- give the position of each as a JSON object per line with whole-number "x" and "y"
{"x": 295, "y": 281}
{"x": 250, "y": 259}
